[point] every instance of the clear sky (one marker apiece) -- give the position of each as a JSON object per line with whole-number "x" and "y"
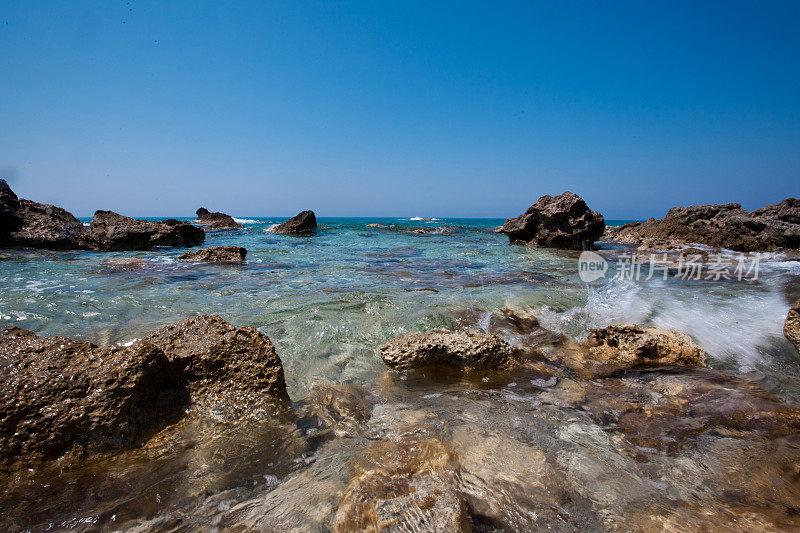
{"x": 398, "y": 108}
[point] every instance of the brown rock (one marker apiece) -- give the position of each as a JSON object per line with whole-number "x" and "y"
{"x": 632, "y": 346}
{"x": 217, "y": 254}
{"x": 303, "y": 223}
{"x": 216, "y": 221}
{"x": 114, "y": 232}
{"x": 791, "y": 328}
{"x": 562, "y": 221}
{"x": 465, "y": 350}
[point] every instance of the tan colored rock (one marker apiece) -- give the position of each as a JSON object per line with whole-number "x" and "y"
{"x": 791, "y": 328}
{"x": 217, "y": 254}
{"x": 632, "y": 346}
{"x": 465, "y": 350}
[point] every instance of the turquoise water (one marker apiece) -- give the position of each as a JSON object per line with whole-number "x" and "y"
{"x": 329, "y": 300}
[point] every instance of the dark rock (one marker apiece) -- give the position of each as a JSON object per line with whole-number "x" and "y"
{"x": 217, "y": 254}
{"x": 305, "y": 222}
{"x": 216, "y": 221}
{"x": 562, "y": 221}
{"x": 791, "y": 328}
{"x": 114, "y": 232}
{"x": 10, "y": 220}
{"x": 725, "y": 226}
{"x": 632, "y": 346}
{"x": 61, "y": 395}
{"x": 230, "y": 370}
{"x": 465, "y": 350}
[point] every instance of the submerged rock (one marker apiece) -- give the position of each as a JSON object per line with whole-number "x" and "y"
{"x": 230, "y": 370}
{"x": 217, "y": 254}
{"x": 791, "y": 328}
{"x": 61, "y": 395}
{"x": 305, "y": 222}
{"x": 464, "y": 350}
{"x": 114, "y": 232}
{"x": 343, "y": 409}
{"x": 216, "y": 221}
{"x": 563, "y": 221}
{"x": 632, "y": 346}
{"x": 726, "y": 226}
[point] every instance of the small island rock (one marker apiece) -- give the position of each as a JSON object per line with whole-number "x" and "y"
{"x": 303, "y": 223}
{"x": 217, "y": 254}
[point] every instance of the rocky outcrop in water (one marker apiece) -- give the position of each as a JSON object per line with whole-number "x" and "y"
{"x": 114, "y": 232}
{"x": 632, "y": 346}
{"x": 216, "y": 221}
{"x": 62, "y": 395}
{"x": 791, "y": 328}
{"x": 464, "y": 350}
{"x": 726, "y": 226}
{"x": 563, "y": 221}
{"x": 9, "y": 212}
{"x": 217, "y": 254}
{"x": 300, "y": 224}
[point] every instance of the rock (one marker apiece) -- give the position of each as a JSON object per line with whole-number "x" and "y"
{"x": 562, "y": 221}
{"x": 464, "y": 350}
{"x": 305, "y": 222}
{"x": 632, "y": 346}
{"x": 725, "y": 226}
{"x": 114, "y": 232}
{"x": 230, "y": 370}
{"x": 61, "y": 395}
{"x": 216, "y": 221}
{"x": 9, "y": 212}
{"x": 217, "y": 254}
{"x": 407, "y": 484}
{"x": 791, "y": 328}
{"x": 343, "y": 409}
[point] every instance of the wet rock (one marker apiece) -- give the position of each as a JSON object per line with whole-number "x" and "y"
{"x": 61, "y": 395}
{"x": 216, "y": 221}
{"x": 464, "y": 350}
{"x": 726, "y": 226}
{"x": 114, "y": 232}
{"x": 791, "y": 328}
{"x": 303, "y": 223}
{"x": 562, "y": 221}
{"x": 123, "y": 264}
{"x": 231, "y": 371}
{"x": 217, "y": 254}
{"x": 403, "y": 484}
{"x": 632, "y": 346}
{"x": 344, "y": 409}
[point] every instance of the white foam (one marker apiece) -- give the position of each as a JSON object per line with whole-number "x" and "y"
{"x": 271, "y": 229}
{"x": 246, "y": 220}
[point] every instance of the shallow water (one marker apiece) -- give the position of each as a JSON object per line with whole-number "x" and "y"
{"x": 327, "y": 302}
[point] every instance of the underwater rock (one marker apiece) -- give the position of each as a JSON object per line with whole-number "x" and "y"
{"x": 230, "y": 370}
{"x": 632, "y": 346}
{"x": 403, "y": 484}
{"x": 344, "y": 409}
{"x": 114, "y": 232}
{"x": 726, "y": 226}
{"x": 465, "y": 350}
{"x": 62, "y": 395}
{"x": 791, "y": 328}
{"x": 562, "y": 221}
{"x": 217, "y": 254}
{"x": 216, "y": 221}
{"x": 302, "y": 223}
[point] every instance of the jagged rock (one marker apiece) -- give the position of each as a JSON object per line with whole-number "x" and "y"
{"x": 465, "y": 350}
{"x": 61, "y": 395}
{"x": 305, "y": 222}
{"x": 217, "y": 254}
{"x": 562, "y": 221}
{"x": 791, "y": 328}
{"x": 114, "y": 232}
{"x": 9, "y": 212}
{"x": 230, "y": 370}
{"x": 632, "y": 346}
{"x": 216, "y": 221}
{"x": 726, "y": 226}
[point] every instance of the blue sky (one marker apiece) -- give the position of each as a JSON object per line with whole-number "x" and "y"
{"x": 399, "y": 108}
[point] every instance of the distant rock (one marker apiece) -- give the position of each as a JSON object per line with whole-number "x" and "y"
{"x": 217, "y": 254}
{"x": 791, "y": 328}
{"x": 723, "y": 226}
{"x": 562, "y": 221}
{"x": 632, "y": 346}
{"x": 303, "y": 223}
{"x": 216, "y": 221}
{"x": 114, "y": 232}
{"x": 464, "y": 350}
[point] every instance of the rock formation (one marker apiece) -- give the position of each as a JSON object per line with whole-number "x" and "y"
{"x": 632, "y": 346}
{"x": 216, "y": 221}
{"x": 726, "y": 226}
{"x": 791, "y": 328}
{"x": 562, "y": 221}
{"x": 303, "y": 223}
{"x": 113, "y": 232}
{"x": 217, "y": 254}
